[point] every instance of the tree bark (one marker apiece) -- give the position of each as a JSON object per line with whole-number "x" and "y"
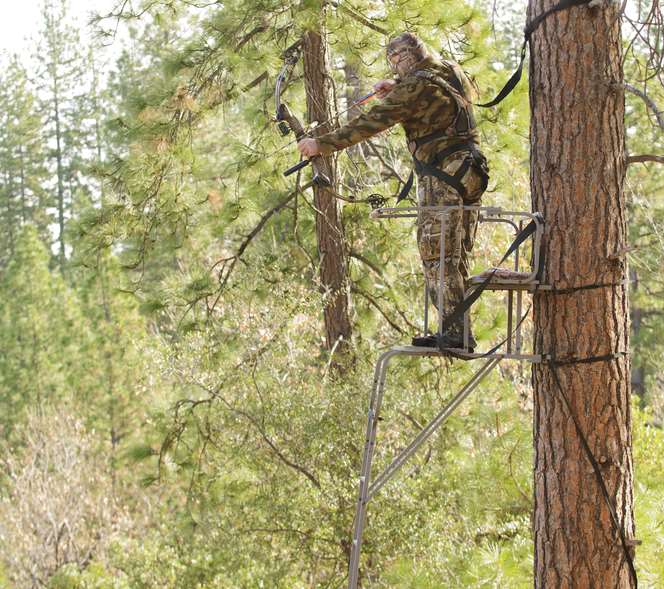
{"x": 329, "y": 230}
{"x": 577, "y": 173}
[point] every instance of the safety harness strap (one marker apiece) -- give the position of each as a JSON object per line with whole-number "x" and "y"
{"x": 530, "y": 29}
{"x": 597, "y": 471}
{"x": 464, "y": 122}
{"x": 458, "y": 90}
{"x": 406, "y": 187}
{"x": 430, "y": 169}
{"x": 425, "y": 169}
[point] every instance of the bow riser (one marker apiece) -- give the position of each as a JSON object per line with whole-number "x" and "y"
{"x": 288, "y": 121}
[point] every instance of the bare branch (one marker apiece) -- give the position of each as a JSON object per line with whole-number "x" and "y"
{"x": 641, "y": 159}
{"x": 382, "y": 161}
{"x": 650, "y": 103}
{"x": 255, "y": 82}
{"x": 251, "y": 34}
{"x": 372, "y": 301}
{"x": 366, "y": 261}
{"x": 228, "y": 264}
{"x": 301, "y": 469}
{"x": 418, "y": 426}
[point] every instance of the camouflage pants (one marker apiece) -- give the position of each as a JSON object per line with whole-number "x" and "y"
{"x": 460, "y": 229}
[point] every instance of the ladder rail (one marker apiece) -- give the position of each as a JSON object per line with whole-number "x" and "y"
{"x": 368, "y": 490}
{"x": 431, "y": 427}
{"x": 380, "y": 375}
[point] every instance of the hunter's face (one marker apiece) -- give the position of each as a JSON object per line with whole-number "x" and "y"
{"x": 401, "y": 60}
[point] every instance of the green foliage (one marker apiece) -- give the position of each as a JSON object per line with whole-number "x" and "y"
{"x": 188, "y": 332}
{"x": 22, "y": 160}
{"x": 649, "y": 510}
{"x": 646, "y": 226}
{"x": 41, "y": 332}
{"x": 95, "y": 576}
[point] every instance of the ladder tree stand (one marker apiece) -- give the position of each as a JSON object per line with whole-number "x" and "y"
{"x": 515, "y": 282}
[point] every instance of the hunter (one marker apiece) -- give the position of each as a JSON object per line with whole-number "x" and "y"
{"x": 431, "y": 98}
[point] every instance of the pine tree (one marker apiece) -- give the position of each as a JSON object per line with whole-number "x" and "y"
{"x": 577, "y": 174}
{"x": 109, "y": 397}
{"x": 62, "y": 92}
{"x": 22, "y": 154}
{"x": 333, "y": 257}
{"x": 41, "y": 333}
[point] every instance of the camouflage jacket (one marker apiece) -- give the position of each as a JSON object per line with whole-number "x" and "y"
{"x": 424, "y": 101}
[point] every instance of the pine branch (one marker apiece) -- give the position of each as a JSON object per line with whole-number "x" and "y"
{"x": 360, "y": 18}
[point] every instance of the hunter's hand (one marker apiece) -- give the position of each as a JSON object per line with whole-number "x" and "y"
{"x": 384, "y": 87}
{"x": 308, "y": 147}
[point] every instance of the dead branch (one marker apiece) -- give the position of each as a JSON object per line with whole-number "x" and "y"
{"x": 255, "y": 82}
{"x": 650, "y": 103}
{"x": 382, "y": 161}
{"x": 372, "y": 301}
{"x": 228, "y": 264}
{"x": 251, "y": 34}
{"x": 641, "y": 159}
{"x": 367, "y": 262}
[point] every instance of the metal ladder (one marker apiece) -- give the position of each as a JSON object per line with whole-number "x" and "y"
{"x": 519, "y": 283}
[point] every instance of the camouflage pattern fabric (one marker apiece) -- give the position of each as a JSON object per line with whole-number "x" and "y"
{"x": 419, "y": 104}
{"x": 422, "y": 107}
{"x": 460, "y": 230}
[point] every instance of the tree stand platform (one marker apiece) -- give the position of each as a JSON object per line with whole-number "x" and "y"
{"x": 515, "y": 282}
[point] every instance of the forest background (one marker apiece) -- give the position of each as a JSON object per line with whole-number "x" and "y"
{"x": 171, "y": 414}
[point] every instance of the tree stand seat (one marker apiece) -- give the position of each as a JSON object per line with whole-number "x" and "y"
{"x": 506, "y": 279}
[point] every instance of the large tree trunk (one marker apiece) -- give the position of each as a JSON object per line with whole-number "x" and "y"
{"x": 329, "y": 230}
{"x": 577, "y": 172}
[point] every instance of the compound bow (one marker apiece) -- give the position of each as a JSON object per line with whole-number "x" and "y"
{"x": 288, "y": 122}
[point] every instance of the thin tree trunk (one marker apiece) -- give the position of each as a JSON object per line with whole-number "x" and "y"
{"x": 10, "y": 213}
{"x": 24, "y": 207}
{"x": 60, "y": 173}
{"x": 577, "y": 173}
{"x": 109, "y": 331}
{"x": 329, "y": 230}
{"x": 98, "y": 130}
{"x": 353, "y": 92}
{"x": 638, "y": 372}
